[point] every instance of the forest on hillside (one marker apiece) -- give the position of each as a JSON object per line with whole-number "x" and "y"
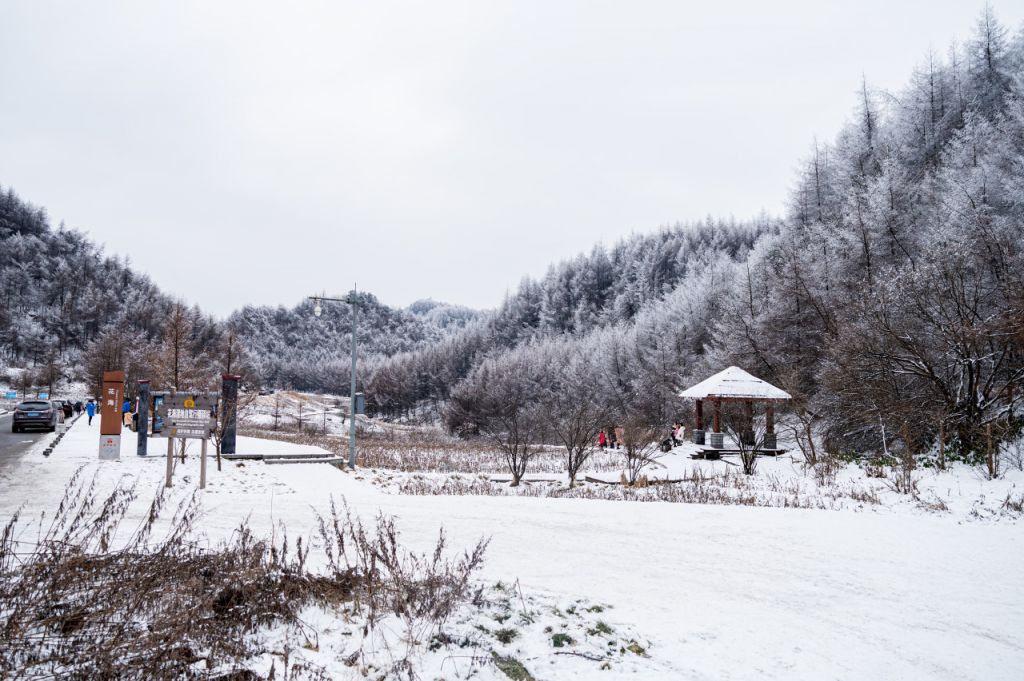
{"x": 296, "y": 349}
{"x": 68, "y": 311}
{"x": 889, "y": 300}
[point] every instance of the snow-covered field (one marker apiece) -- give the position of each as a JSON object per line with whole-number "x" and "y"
{"x": 962, "y": 493}
{"x": 705, "y": 591}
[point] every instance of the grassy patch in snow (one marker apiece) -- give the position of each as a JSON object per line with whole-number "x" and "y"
{"x": 561, "y": 640}
{"x": 512, "y": 668}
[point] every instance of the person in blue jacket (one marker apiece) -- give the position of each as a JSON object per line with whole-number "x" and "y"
{"x": 90, "y": 410}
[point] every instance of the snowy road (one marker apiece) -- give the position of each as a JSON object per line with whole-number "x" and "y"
{"x": 14, "y": 446}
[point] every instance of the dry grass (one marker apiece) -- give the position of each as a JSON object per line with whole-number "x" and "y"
{"x": 1014, "y": 504}
{"x": 728, "y": 488}
{"x": 467, "y": 457}
{"x": 430, "y": 463}
{"x": 74, "y": 605}
{"x": 424, "y": 451}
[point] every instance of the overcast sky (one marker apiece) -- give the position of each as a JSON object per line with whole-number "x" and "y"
{"x": 259, "y": 152}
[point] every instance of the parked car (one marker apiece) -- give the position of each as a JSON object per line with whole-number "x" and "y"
{"x": 36, "y": 414}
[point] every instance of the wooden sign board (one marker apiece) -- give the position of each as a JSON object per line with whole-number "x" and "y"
{"x": 110, "y": 403}
{"x": 110, "y": 415}
{"x": 188, "y": 415}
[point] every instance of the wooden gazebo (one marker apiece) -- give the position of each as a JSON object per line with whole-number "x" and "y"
{"x": 734, "y": 385}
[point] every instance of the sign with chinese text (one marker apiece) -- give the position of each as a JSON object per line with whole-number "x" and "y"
{"x": 110, "y": 414}
{"x": 188, "y": 415}
{"x": 110, "y": 447}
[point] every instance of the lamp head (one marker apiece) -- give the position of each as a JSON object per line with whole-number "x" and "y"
{"x": 317, "y": 309}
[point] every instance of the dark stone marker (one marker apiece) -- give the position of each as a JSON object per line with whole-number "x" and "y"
{"x": 142, "y": 422}
{"x": 229, "y": 397}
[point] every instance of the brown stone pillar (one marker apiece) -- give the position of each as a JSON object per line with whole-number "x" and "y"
{"x": 142, "y": 422}
{"x": 229, "y": 394}
{"x": 111, "y": 419}
{"x": 700, "y": 415}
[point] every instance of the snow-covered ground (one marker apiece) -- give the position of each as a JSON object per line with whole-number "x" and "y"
{"x": 287, "y": 409}
{"x": 708, "y": 591}
{"x": 962, "y": 492}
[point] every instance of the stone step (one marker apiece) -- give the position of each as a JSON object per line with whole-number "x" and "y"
{"x": 267, "y": 457}
{"x": 315, "y": 459}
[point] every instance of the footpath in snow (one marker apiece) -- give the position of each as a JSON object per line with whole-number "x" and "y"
{"x": 719, "y": 592}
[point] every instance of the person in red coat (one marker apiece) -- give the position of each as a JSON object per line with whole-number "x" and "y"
{"x": 602, "y": 440}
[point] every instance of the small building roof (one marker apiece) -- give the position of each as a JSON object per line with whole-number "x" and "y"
{"x": 737, "y": 384}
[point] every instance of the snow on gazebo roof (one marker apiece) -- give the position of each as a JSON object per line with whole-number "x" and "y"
{"x": 735, "y": 383}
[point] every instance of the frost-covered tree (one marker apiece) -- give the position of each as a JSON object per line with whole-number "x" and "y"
{"x": 572, "y": 404}
{"x": 499, "y": 400}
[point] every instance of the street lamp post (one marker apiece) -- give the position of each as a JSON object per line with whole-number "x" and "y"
{"x": 352, "y": 300}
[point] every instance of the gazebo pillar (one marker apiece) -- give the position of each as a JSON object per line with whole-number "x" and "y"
{"x": 698, "y": 432}
{"x": 770, "y": 441}
{"x": 748, "y": 422}
{"x": 716, "y": 435}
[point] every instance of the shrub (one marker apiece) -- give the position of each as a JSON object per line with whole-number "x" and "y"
{"x": 80, "y": 602}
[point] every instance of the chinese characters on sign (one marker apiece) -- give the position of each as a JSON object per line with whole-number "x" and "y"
{"x": 188, "y": 416}
{"x": 110, "y": 415}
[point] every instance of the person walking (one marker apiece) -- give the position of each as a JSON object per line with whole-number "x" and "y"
{"x": 126, "y": 408}
{"x": 90, "y": 410}
{"x": 602, "y": 440}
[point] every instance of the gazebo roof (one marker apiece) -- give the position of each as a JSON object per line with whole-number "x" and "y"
{"x": 735, "y": 383}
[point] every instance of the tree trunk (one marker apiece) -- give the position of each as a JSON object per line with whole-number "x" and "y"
{"x": 942, "y": 445}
